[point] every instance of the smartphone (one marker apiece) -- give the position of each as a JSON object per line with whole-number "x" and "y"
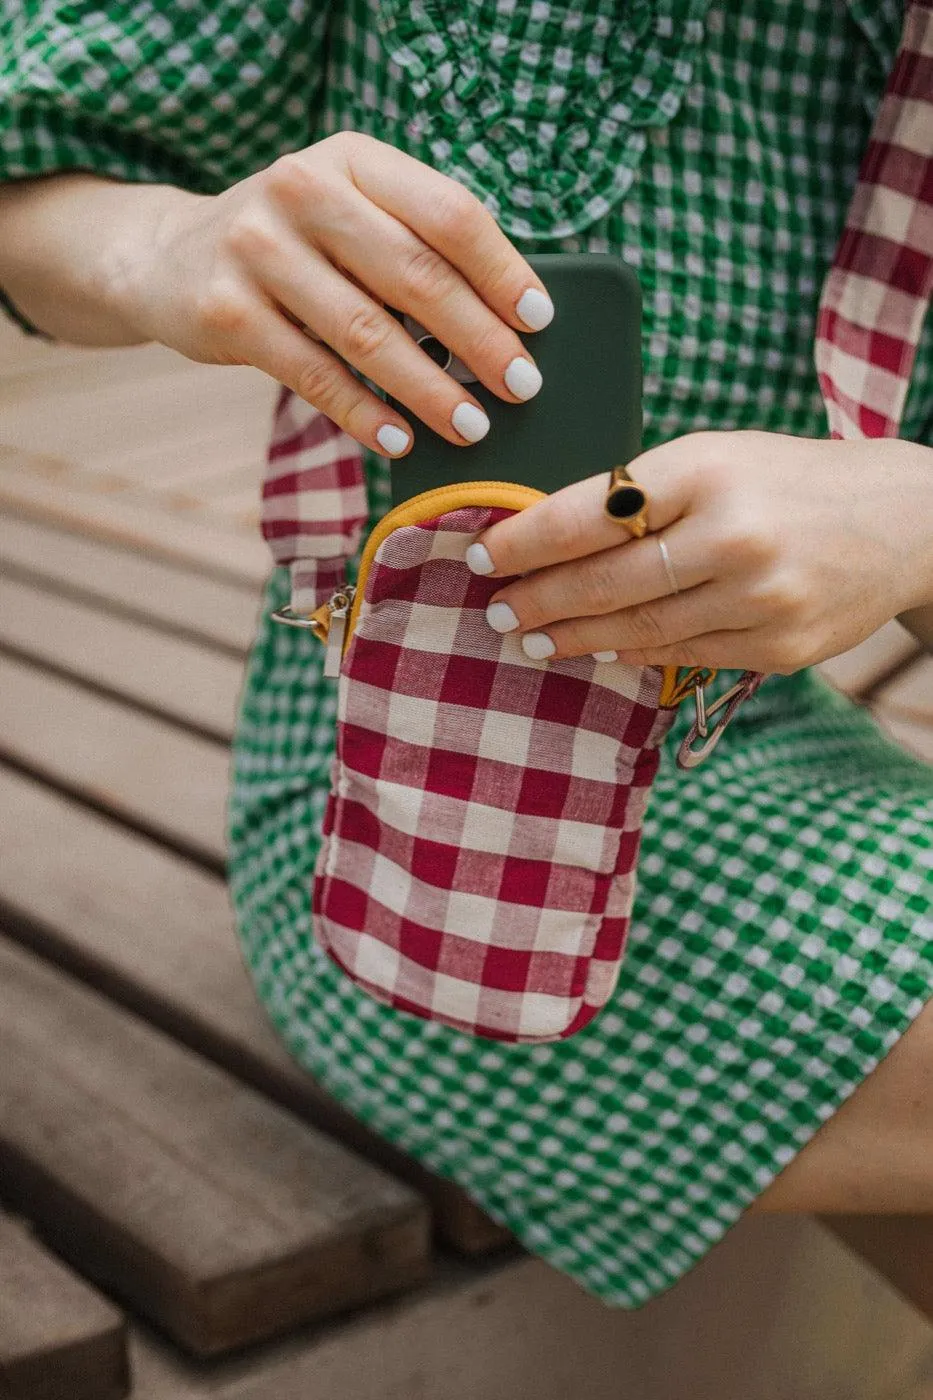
{"x": 587, "y": 416}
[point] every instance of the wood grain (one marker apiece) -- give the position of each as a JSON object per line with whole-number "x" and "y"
{"x": 862, "y": 668}
{"x": 176, "y": 677}
{"x": 59, "y": 1338}
{"x": 156, "y": 933}
{"x": 778, "y": 1311}
{"x": 900, "y": 1247}
{"x": 905, "y": 708}
{"x": 144, "y": 415}
{"x": 144, "y": 769}
{"x": 131, "y": 584}
{"x": 43, "y": 489}
{"x": 207, "y": 1207}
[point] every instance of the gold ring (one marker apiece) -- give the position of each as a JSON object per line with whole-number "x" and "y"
{"x": 627, "y": 502}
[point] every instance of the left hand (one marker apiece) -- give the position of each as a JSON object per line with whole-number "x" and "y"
{"x": 786, "y": 551}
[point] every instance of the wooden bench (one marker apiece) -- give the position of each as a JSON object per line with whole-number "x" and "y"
{"x": 159, "y": 1137}
{"x": 59, "y": 1339}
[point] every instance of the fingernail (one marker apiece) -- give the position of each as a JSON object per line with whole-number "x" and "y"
{"x": 501, "y": 617}
{"x": 538, "y": 646}
{"x": 392, "y": 440}
{"x": 535, "y": 308}
{"x": 470, "y": 422}
{"x": 479, "y": 560}
{"x": 605, "y": 656}
{"x": 523, "y": 379}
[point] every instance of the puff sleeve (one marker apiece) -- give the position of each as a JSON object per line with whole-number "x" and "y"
{"x": 179, "y": 91}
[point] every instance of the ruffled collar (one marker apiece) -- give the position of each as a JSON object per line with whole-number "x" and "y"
{"x": 543, "y": 107}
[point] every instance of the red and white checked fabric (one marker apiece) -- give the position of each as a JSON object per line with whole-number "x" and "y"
{"x": 482, "y": 831}
{"x": 876, "y": 294}
{"x": 313, "y": 500}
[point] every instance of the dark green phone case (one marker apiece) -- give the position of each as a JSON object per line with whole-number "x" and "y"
{"x": 587, "y": 416}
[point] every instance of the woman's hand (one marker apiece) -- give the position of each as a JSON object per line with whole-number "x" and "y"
{"x": 786, "y": 551}
{"x": 294, "y": 264}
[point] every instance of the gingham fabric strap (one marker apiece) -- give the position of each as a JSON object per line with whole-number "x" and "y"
{"x": 313, "y": 500}
{"x": 877, "y": 291}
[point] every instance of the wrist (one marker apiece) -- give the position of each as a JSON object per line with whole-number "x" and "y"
{"x": 128, "y": 275}
{"x": 76, "y": 254}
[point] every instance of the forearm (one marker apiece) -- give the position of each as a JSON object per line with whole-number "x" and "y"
{"x": 69, "y": 248}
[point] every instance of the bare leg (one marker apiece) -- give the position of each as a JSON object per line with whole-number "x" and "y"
{"x": 875, "y": 1155}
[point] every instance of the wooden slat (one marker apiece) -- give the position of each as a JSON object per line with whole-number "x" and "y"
{"x": 145, "y": 769}
{"x": 59, "y": 1339}
{"x": 42, "y": 363}
{"x": 131, "y": 583}
{"x": 142, "y": 415}
{"x": 156, "y": 932}
{"x": 199, "y": 483}
{"x": 178, "y": 792}
{"x": 862, "y": 668}
{"x": 911, "y": 694}
{"x": 180, "y": 678}
{"x": 905, "y": 708}
{"x": 41, "y": 489}
{"x": 900, "y": 1247}
{"x": 209, "y": 1208}
{"x": 914, "y": 735}
{"x": 778, "y": 1311}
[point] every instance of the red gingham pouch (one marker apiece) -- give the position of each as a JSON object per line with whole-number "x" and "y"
{"x": 482, "y": 831}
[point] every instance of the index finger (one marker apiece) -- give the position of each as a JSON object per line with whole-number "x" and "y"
{"x": 453, "y": 221}
{"x": 572, "y": 523}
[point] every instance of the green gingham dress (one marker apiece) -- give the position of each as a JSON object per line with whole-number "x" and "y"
{"x": 782, "y": 938}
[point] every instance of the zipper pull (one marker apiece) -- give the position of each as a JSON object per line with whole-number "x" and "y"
{"x": 339, "y": 609}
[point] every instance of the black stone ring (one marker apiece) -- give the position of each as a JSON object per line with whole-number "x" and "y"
{"x": 627, "y": 502}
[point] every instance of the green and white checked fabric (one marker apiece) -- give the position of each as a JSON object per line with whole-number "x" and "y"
{"x": 783, "y": 936}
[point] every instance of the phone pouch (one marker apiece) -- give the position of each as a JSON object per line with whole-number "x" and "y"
{"x": 482, "y": 830}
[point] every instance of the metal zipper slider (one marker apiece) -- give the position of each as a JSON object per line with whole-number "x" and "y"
{"x": 339, "y": 609}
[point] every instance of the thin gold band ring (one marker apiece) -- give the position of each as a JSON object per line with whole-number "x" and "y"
{"x": 668, "y": 566}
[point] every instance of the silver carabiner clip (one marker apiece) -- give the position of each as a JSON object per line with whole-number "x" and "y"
{"x": 293, "y": 619}
{"x": 687, "y": 755}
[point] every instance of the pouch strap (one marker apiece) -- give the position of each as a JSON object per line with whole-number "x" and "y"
{"x": 313, "y": 501}
{"x": 879, "y": 286}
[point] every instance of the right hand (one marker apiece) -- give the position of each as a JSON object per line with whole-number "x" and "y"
{"x": 297, "y": 262}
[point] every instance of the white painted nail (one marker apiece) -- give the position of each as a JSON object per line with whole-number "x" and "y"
{"x": 605, "y": 656}
{"x": 501, "y": 617}
{"x": 538, "y": 646}
{"x": 392, "y": 440}
{"x": 470, "y": 422}
{"x": 479, "y": 560}
{"x": 535, "y": 308}
{"x": 523, "y": 379}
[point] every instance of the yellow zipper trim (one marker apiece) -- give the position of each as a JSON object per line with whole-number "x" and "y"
{"x": 505, "y": 495}
{"x": 677, "y": 685}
